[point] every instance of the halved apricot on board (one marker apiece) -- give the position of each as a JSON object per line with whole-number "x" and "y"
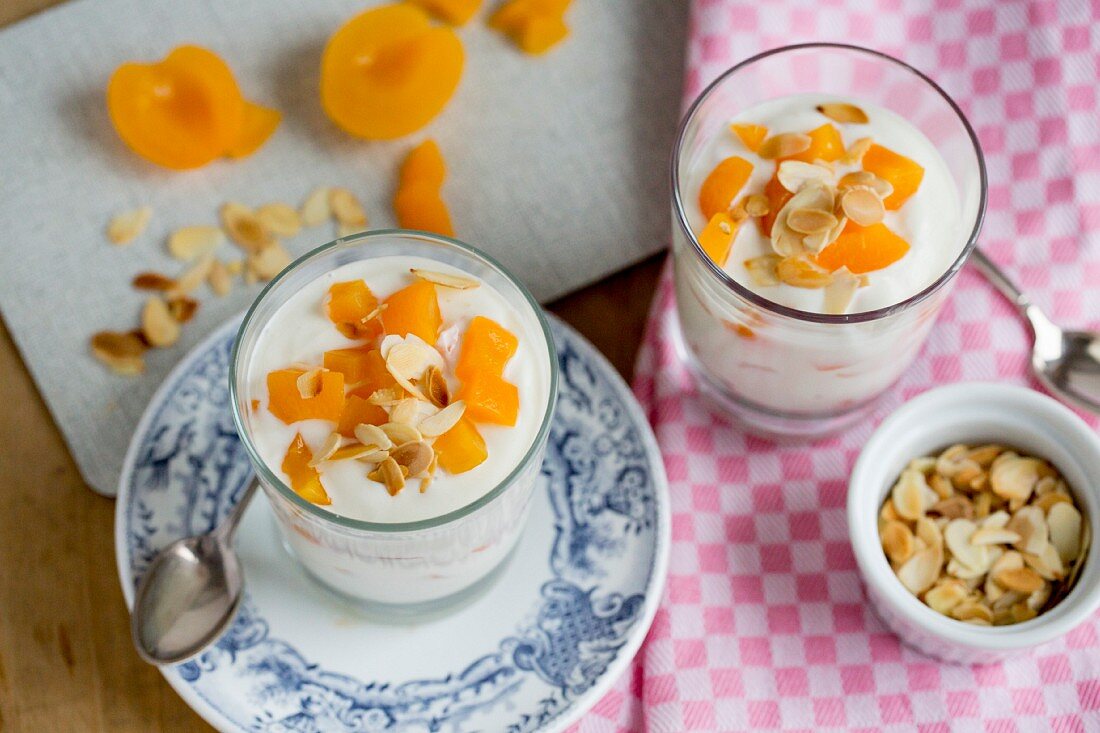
{"x": 455, "y": 12}
{"x": 717, "y": 237}
{"x": 348, "y": 304}
{"x": 461, "y": 448}
{"x": 486, "y": 347}
{"x": 285, "y": 401}
{"x": 304, "y": 478}
{"x": 388, "y": 72}
{"x": 257, "y": 125}
{"x": 825, "y": 144}
{"x": 723, "y": 184}
{"x": 751, "y": 135}
{"x": 863, "y": 249}
{"x": 490, "y": 399}
{"x": 415, "y": 310}
{"x": 182, "y": 112}
{"x": 419, "y": 206}
{"x": 901, "y": 172}
{"x": 357, "y": 411}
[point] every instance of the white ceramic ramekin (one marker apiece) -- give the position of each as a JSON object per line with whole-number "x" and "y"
{"x": 972, "y": 413}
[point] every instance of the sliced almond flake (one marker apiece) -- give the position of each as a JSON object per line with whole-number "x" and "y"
{"x": 843, "y": 112}
{"x": 373, "y": 436}
{"x": 784, "y": 145}
{"x": 386, "y": 396}
{"x": 446, "y": 279}
{"x": 327, "y": 450}
{"x": 953, "y": 507}
{"x": 1015, "y": 478}
{"x": 182, "y": 308}
{"x": 1047, "y": 484}
{"x": 963, "y": 571}
{"x": 785, "y": 241}
{"x": 929, "y": 533}
{"x": 390, "y": 474}
{"x": 1037, "y": 600}
{"x": 435, "y": 425}
{"x": 1021, "y": 580}
{"x": 280, "y": 219}
{"x": 221, "y": 282}
{"x": 127, "y": 226}
{"x": 358, "y": 452}
{"x": 762, "y": 270}
{"x": 839, "y": 292}
{"x": 315, "y": 209}
{"x": 911, "y": 495}
{"x": 738, "y": 215}
{"x": 1064, "y": 523}
{"x": 1046, "y": 502}
{"x": 244, "y": 227}
{"x": 269, "y": 262}
{"x": 757, "y": 205}
{"x": 234, "y": 267}
{"x": 794, "y": 174}
{"x": 1048, "y": 564}
{"x": 406, "y": 361}
{"x": 921, "y": 571}
{"x": 863, "y": 206}
{"x": 996, "y": 520}
{"x": 435, "y": 386}
{"x": 994, "y": 536}
{"x": 406, "y": 411}
{"x": 190, "y": 243}
{"x": 801, "y": 272}
{"x": 897, "y": 542}
{"x": 309, "y": 383}
{"x": 189, "y": 281}
{"x": 972, "y": 611}
{"x": 430, "y": 473}
{"x": 957, "y": 536}
{"x": 1030, "y": 523}
{"x": 157, "y": 324}
{"x": 810, "y": 221}
{"x": 855, "y": 152}
{"x": 942, "y": 486}
{"x": 152, "y": 281}
{"x": 945, "y": 595}
{"x": 952, "y": 459}
{"x": 400, "y": 433}
{"x": 415, "y": 456}
{"x": 346, "y": 207}
{"x": 121, "y": 352}
{"x": 984, "y": 455}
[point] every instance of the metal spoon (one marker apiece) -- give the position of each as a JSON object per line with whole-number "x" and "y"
{"x": 190, "y": 593}
{"x": 1066, "y": 362}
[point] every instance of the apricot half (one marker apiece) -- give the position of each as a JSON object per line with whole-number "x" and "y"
{"x": 388, "y": 72}
{"x": 863, "y": 249}
{"x": 257, "y": 125}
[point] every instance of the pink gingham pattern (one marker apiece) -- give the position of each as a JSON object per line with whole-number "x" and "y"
{"x": 764, "y": 624}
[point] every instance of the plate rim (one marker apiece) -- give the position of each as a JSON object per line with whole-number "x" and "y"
{"x": 582, "y": 704}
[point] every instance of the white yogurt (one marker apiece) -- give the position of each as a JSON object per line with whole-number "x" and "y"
{"x": 928, "y": 220}
{"x": 300, "y": 332}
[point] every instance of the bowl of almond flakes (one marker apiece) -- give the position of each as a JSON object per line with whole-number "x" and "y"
{"x": 971, "y": 512}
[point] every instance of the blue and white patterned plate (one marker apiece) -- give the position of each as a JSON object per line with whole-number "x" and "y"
{"x": 539, "y": 648}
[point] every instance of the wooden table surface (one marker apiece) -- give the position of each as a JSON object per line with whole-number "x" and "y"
{"x": 66, "y": 662}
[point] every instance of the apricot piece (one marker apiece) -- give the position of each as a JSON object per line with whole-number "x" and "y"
{"x": 304, "y": 478}
{"x": 461, "y": 448}
{"x": 777, "y": 196}
{"x": 751, "y": 135}
{"x": 388, "y": 72}
{"x": 424, "y": 164}
{"x": 375, "y": 376}
{"x": 723, "y": 184}
{"x": 357, "y": 411}
{"x": 825, "y": 144}
{"x": 535, "y": 26}
{"x": 257, "y": 125}
{"x": 419, "y": 206}
{"x": 455, "y": 12}
{"x": 180, "y": 113}
{"x": 353, "y": 363}
{"x": 717, "y": 237}
{"x": 863, "y": 249}
{"x": 901, "y": 172}
{"x": 413, "y": 309}
{"x": 285, "y": 401}
{"x": 490, "y": 399}
{"x": 486, "y": 347}
{"x": 348, "y": 304}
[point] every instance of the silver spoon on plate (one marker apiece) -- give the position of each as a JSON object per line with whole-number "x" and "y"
{"x": 190, "y": 593}
{"x": 1066, "y": 362}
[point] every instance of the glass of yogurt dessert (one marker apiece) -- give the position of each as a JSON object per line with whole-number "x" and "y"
{"x": 824, "y": 198}
{"x": 394, "y": 392}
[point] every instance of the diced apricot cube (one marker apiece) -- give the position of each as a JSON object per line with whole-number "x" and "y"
{"x": 825, "y": 144}
{"x": 455, "y": 12}
{"x": 723, "y": 184}
{"x": 490, "y": 399}
{"x": 286, "y": 402}
{"x": 863, "y": 249}
{"x": 304, "y": 478}
{"x": 424, "y": 164}
{"x": 717, "y": 237}
{"x": 461, "y": 448}
{"x": 751, "y": 135}
{"x": 486, "y": 347}
{"x": 415, "y": 310}
{"x": 534, "y": 25}
{"x": 901, "y": 172}
{"x": 357, "y": 411}
{"x": 348, "y": 304}
{"x": 541, "y": 33}
{"x": 352, "y": 363}
{"x": 777, "y": 196}
{"x": 419, "y": 206}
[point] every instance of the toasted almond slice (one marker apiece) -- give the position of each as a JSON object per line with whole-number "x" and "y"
{"x": 984, "y": 455}
{"x": 1022, "y": 612}
{"x": 386, "y": 397}
{"x": 157, "y": 324}
{"x": 1030, "y": 523}
{"x": 245, "y": 228}
{"x": 941, "y": 485}
{"x": 327, "y": 450}
{"x": 810, "y": 221}
{"x": 1048, "y": 564}
{"x": 762, "y": 269}
{"x": 1015, "y": 478}
{"x": 435, "y": 425}
{"x": 911, "y": 495}
{"x": 972, "y": 611}
{"x": 757, "y": 205}
{"x": 897, "y": 542}
{"x": 390, "y": 474}
{"x": 219, "y": 278}
{"x": 1037, "y": 600}
{"x": 121, "y": 352}
{"x": 193, "y": 278}
{"x": 953, "y": 459}
{"x": 929, "y": 533}
{"x": 182, "y": 308}
{"x": 963, "y": 571}
{"x": 315, "y": 209}
{"x": 994, "y": 536}
{"x": 1047, "y": 501}
{"x": 855, "y": 152}
{"x": 1021, "y": 580}
{"x": 234, "y": 267}
{"x": 309, "y": 383}
{"x": 406, "y": 361}
{"x": 280, "y": 219}
{"x": 921, "y": 570}
{"x": 416, "y": 456}
{"x": 843, "y": 112}
{"x": 191, "y": 243}
{"x": 784, "y": 145}
{"x": 996, "y": 520}
{"x": 863, "y": 206}
{"x": 127, "y": 226}
{"x": 358, "y": 452}
{"x": 839, "y": 292}
{"x": 957, "y": 536}
{"x": 400, "y": 433}
{"x": 794, "y": 174}
{"x": 269, "y": 261}
{"x": 801, "y": 272}
{"x": 953, "y": 507}
{"x": 346, "y": 207}
{"x": 152, "y": 281}
{"x": 945, "y": 595}
{"x": 446, "y": 279}
{"x": 435, "y": 386}
{"x": 1064, "y": 522}
{"x": 406, "y": 411}
{"x": 373, "y": 436}
{"x": 1045, "y": 485}
{"x": 982, "y": 504}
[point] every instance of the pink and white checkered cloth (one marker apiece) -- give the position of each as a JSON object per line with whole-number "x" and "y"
{"x": 764, "y": 624}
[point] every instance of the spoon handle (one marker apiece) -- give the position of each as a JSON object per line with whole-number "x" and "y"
{"x": 228, "y": 526}
{"x": 999, "y": 280}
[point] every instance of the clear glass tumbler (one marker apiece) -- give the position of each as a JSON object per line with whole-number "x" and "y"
{"x": 787, "y": 372}
{"x": 405, "y": 568}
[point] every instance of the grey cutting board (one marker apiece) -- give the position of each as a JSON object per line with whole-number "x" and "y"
{"x": 557, "y": 167}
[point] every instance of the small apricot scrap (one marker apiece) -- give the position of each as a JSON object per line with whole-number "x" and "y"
{"x": 353, "y": 363}
{"x": 489, "y": 398}
{"x": 863, "y": 249}
{"x": 353, "y": 308}
{"x": 418, "y": 203}
{"x": 304, "y": 478}
{"x": 486, "y": 347}
{"x": 389, "y": 71}
{"x": 287, "y": 403}
{"x": 455, "y": 12}
{"x": 461, "y": 448}
{"x": 717, "y": 237}
{"x": 723, "y": 184}
{"x": 777, "y": 195}
{"x": 186, "y": 110}
{"x": 358, "y": 411}
{"x": 901, "y": 172}
{"x": 413, "y": 309}
{"x": 535, "y": 26}
{"x": 825, "y": 144}
{"x": 750, "y": 135}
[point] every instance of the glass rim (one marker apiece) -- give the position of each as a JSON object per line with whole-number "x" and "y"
{"x": 268, "y": 477}
{"x": 810, "y": 316}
